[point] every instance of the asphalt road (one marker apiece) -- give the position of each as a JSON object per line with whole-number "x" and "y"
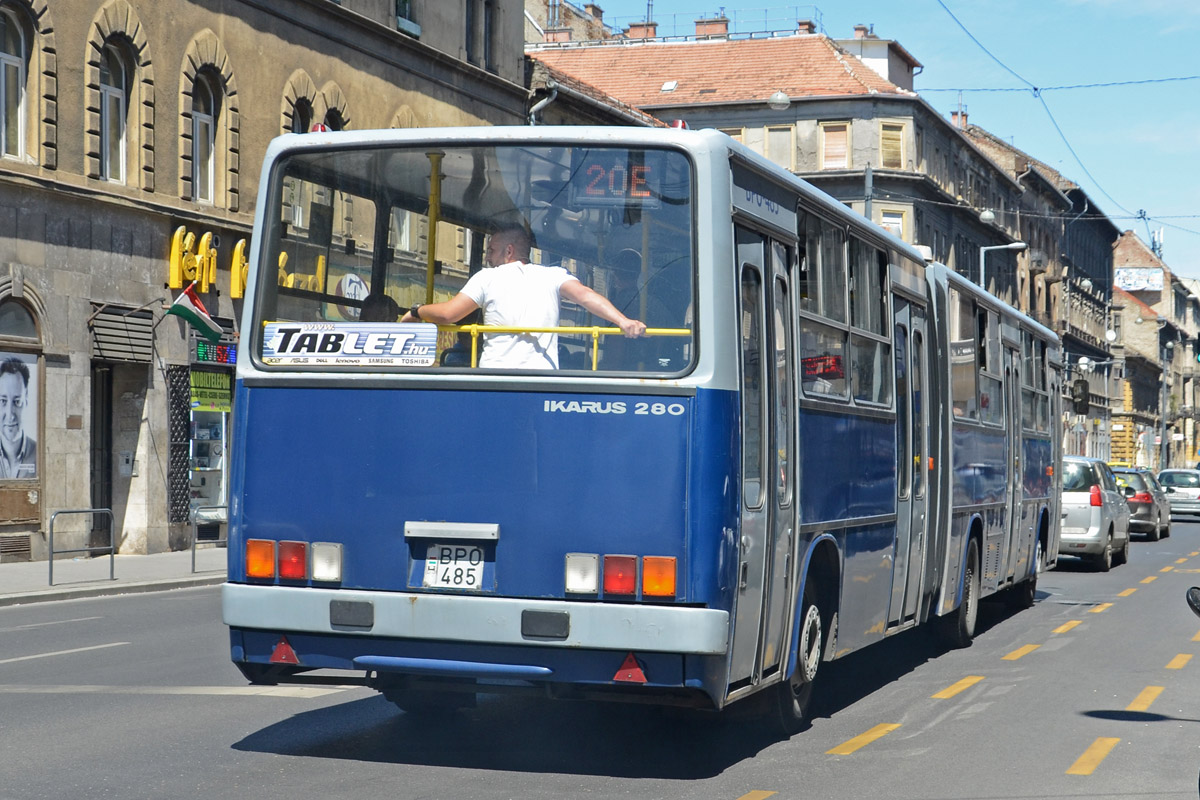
{"x": 1092, "y": 693}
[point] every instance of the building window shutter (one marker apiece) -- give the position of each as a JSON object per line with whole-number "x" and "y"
{"x": 891, "y": 149}
{"x": 835, "y": 153}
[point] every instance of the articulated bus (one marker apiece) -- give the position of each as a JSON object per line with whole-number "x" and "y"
{"x": 822, "y": 440}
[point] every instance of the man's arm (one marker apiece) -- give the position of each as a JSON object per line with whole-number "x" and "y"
{"x": 599, "y": 305}
{"x": 446, "y": 313}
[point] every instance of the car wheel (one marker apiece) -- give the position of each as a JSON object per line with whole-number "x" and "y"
{"x": 1122, "y": 557}
{"x": 1166, "y": 529}
{"x": 1156, "y": 533}
{"x": 1104, "y": 561}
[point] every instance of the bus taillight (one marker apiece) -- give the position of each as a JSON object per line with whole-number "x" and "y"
{"x": 658, "y": 576}
{"x": 293, "y": 560}
{"x": 260, "y": 558}
{"x": 620, "y": 574}
{"x": 583, "y": 573}
{"x": 327, "y": 562}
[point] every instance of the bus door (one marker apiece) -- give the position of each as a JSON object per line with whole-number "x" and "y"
{"x": 912, "y": 454}
{"x": 768, "y": 413}
{"x": 1014, "y": 523}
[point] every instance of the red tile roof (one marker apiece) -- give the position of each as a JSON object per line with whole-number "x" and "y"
{"x": 720, "y": 71}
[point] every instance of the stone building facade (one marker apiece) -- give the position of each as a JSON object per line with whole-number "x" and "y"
{"x": 133, "y": 129}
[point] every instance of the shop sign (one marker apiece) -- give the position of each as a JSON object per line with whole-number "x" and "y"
{"x": 212, "y": 391}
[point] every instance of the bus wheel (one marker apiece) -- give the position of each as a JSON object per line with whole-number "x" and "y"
{"x": 793, "y": 696}
{"x": 960, "y": 626}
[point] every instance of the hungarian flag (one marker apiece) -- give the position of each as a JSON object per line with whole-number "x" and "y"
{"x": 188, "y": 306}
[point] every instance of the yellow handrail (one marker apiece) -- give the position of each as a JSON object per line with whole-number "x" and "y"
{"x": 594, "y": 331}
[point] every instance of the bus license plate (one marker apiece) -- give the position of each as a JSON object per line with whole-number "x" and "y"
{"x": 454, "y": 566}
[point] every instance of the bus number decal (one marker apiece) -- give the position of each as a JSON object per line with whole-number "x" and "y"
{"x": 659, "y": 409}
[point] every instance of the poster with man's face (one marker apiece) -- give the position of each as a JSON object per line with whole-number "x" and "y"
{"x": 18, "y": 416}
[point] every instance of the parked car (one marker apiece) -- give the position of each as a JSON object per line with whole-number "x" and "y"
{"x": 1183, "y": 490}
{"x": 1149, "y": 508}
{"x": 1095, "y": 516}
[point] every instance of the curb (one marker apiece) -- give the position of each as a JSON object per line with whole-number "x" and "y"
{"x": 110, "y": 588}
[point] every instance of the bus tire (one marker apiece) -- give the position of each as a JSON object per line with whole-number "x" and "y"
{"x": 793, "y": 697}
{"x": 959, "y": 627}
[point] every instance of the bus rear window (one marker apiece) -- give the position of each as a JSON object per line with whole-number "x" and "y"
{"x": 358, "y": 236}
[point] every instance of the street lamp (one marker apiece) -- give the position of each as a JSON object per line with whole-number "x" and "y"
{"x": 1167, "y": 349}
{"x": 983, "y": 251}
{"x": 779, "y": 100}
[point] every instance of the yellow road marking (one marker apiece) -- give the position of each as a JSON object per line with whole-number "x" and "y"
{"x": 1151, "y": 579}
{"x": 1126, "y": 593}
{"x": 757, "y": 795}
{"x": 1143, "y": 700}
{"x": 862, "y": 740}
{"x": 961, "y": 686}
{"x": 1194, "y": 553}
{"x": 1066, "y": 626}
{"x": 1021, "y": 651}
{"x": 1166, "y": 569}
{"x": 1179, "y": 661}
{"x": 1181, "y": 561}
{"x": 1100, "y": 608}
{"x": 1092, "y": 757}
{"x": 1196, "y": 638}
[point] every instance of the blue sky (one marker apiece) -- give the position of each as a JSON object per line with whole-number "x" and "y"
{"x": 1133, "y": 148}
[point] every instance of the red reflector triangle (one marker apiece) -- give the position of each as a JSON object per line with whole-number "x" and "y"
{"x": 283, "y": 653}
{"x": 630, "y": 671}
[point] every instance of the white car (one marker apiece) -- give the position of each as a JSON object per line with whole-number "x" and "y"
{"x": 1183, "y": 490}
{"x": 1095, "y": 516}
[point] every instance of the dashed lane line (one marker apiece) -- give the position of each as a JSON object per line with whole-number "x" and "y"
{"x": 1066, "y": 626}
{"x": 757, "y": 795}
{"x": 1143, "y": 701}
{"x": 961, "y": 686}
{"x": 1100, "y": 608}
{"x": 1196, "y": 638}
{"x": 1086, "y": 764}
{"x": 61, "y": 652}
{"x": 863, "y": 739}
{"x": 1151, "y": 579}
{"x": 1020, "y": 652}
{"x": 1126, "y": 593}
{"x": 209, "y": 691}
{"x": 1180, "y": 661}
{"x": 1181, "y": 561}
{"x": 1167, "y": 569}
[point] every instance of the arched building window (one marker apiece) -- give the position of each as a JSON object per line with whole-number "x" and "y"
{"x": 114, "y": 110}
{"x": 205, "y": 110}
{"x": 209, "y": 152}
{"x": 13, "y": 58}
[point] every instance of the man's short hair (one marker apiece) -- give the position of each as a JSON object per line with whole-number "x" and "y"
{"x": 15, "y": 366}
{"x": 519, "y": 236}
{"x": 379, "y": 308}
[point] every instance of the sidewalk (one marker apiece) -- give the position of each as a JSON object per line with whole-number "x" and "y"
{"x": 28, "y": 582}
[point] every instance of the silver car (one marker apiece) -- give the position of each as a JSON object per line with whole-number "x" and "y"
{"x": 1149, "y": 506}
{"x": 1183, "y": 490}
{"x": 1095, "y": 515}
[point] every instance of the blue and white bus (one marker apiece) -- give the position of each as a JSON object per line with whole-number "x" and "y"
{"x": 822, "y": 441}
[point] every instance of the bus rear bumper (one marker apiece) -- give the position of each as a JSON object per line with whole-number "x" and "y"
{"x": 482, "y": 620}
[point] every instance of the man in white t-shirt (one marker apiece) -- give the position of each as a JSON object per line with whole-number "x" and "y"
{"x": 514, "y": 293}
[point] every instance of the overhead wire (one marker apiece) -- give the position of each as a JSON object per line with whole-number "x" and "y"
{"x": 1037, "y": 93}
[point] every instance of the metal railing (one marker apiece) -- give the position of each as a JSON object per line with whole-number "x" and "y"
{"x": 196, "y": 529}
{"x": 112, "y": 540}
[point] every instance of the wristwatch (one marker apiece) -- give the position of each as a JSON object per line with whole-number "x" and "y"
{"x": 416, "y": 311}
